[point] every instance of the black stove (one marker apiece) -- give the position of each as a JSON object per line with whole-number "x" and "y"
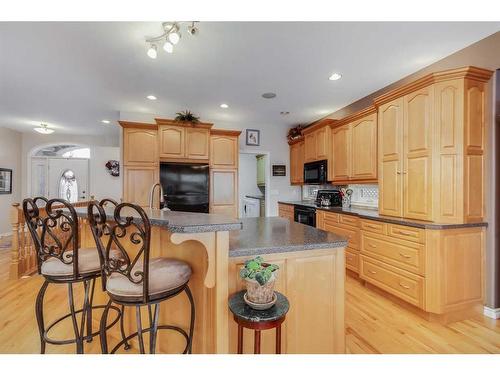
{"x": 324, "y": 198}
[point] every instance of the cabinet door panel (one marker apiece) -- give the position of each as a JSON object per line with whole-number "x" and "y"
{"x": 341, "y": 153}
{"x": 300, "y": 165}
{"x": 310, "y": 147}
{"x": 172, "y": 142}
{"x": 140, "y": 146}
{"x": 224, "y": 191}
{"x": 364, "y": 149}
{"x": 197, "y": 143}
{"x": 390, "y": 135}
{"x": 223, "y": 151}
{"x": 418, "y": 155}
{"x": 137, "y": 183}
{"x": 322, "y": 143}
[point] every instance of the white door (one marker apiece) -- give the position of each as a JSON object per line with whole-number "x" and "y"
{"x": 74, "y": 185}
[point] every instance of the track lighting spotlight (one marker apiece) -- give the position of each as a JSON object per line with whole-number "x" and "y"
{"x": 152, "y": 52}
{"x": 169, "y": 38}
{"x": 168, "y": 47}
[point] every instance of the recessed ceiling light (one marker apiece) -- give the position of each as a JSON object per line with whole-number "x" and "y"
{"x": 224, "y": 105}
{"x": 151, "y": 97}
{"x": 105, "y": 121}
{"x": 284, "y": 113}
{"x": 335, "y": 77}
{"x": 43, "y": 129}
{"x": 269, "y": 95}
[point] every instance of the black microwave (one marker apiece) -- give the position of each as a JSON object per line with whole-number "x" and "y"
{"x": 316, "y": 172}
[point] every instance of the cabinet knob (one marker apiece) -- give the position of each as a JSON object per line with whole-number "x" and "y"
{"x": 404, "y": 286}
{"x": 405, "y": 256}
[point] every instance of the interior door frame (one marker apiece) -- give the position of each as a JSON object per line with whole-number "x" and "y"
{"x": 267, "y": 194}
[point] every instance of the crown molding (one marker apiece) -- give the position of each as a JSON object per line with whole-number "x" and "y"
{"x": 202, "y": 125}
{"x": 467, "y": 72}
{"x": 355, "y": 116}
{"x": 230, "y": 133}
{"x": 137, "y": 125}
{"x": 319, "y": 124}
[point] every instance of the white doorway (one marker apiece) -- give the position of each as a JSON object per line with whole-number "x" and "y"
{"x": 60, "y": 171}
{"x": 254, "y": 183}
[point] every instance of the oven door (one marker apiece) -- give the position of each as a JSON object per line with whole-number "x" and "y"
{"x": 305, "y": 215}
{"x": 315, "y": 172}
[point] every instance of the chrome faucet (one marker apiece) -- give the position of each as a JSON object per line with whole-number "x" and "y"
{"x": 151, "y": 195}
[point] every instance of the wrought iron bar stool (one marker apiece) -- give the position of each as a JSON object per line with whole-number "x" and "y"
{"x": 135, "y": 279}
{"x": 54, "y": 228}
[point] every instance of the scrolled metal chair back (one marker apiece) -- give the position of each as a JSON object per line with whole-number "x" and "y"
{"x": 53, "y": 225}
{"x": 129, "y": 227}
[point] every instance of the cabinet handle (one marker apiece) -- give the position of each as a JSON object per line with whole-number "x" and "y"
{"x": 403, "y": 233}
{"x": 372, "y": 245}
{"x": 404, "y": 286}
{"x": 405, "y": 256}
{"x": 398, "y": 172}
{"x": 372, "y": 272}
{"x": 372, "y": 226}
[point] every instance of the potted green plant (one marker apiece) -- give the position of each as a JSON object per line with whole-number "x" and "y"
{"x": 187, "y": 116}
{"x": 260, "y": 278}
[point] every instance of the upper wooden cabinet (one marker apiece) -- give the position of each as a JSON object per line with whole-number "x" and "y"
{"x": 317, "y": 144}
{"x": 355, "y": 148}
{"x": 183, "y": 141}
{"x": 431, "y": 147}
{"x": 297, "y": 163}
{"x": 137, "y": 183}
{"x": 140, "y": 145}
{"x": 224, "y": 148}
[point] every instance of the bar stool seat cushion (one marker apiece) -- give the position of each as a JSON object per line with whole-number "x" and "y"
{"x": 88, "y": 262}
{"x": 165, "y": 274}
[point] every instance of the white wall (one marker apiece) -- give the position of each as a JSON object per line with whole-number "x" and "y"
{"x": 10, "y": 157}
{"x": 102, "y": 184}
{"x": 272, "y": 140}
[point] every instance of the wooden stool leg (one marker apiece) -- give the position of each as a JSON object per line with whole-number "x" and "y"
{"x": 256, "y": 345}
{"x": 240, "y": 339}
{"x": 278, "y": 339}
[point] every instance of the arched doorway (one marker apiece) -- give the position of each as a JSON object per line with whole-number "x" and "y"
{"x": 60, "y": 171}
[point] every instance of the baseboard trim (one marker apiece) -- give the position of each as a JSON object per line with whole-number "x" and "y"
{"x": 491, "y": 313}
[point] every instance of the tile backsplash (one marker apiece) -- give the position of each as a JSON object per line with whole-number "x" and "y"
{"x": 362, "y": 196}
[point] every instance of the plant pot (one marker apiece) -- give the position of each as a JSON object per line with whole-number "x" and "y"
{"x": 257, "y": 293}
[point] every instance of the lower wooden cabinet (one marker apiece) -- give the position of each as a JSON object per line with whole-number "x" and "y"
{"x": 438, "y": 270}
{"x": 224, "y": 191}
{"x": 286, "y": 211}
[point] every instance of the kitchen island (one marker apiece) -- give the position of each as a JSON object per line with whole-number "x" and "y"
{"x": 311, "y": 275}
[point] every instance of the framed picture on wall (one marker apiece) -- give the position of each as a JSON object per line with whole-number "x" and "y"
{"x": 253, "y": 137}
{"x": 5, "y": 181}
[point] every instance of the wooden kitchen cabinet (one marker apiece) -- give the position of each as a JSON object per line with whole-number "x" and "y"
{"x": 341, "y": 165}
{"x": 224, "y": 191}
{"x": 137, "y": 183}
{"x": 183, "y": 142}
{"x": 354, "y": 145}
{"x": 297, "y": 163}
{"x": 224, "y": 148}
{"x": 431, "y": 147}
{"x": 317, "y": 142}
{"x": 140, "y": 145}
{"x": 286, "y": 211}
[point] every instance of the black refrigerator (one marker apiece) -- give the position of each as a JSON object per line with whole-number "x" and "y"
{"x": 185, "y": 186}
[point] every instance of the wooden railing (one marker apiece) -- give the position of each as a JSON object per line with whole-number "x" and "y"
{"x": 23, "y": 254}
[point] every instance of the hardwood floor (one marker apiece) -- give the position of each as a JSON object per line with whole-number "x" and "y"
{"x": 374, "y": 324}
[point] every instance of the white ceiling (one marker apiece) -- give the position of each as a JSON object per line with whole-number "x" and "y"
{"x": 73, "y": 75}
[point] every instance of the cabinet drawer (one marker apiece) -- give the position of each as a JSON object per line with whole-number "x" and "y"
{"x": 351, "y": 234}
{"x": 374, "y": 226}
{"x": 330, "y": 217}
{"x": 409, "y": 257}
{"x": 406, "y": 233}
{"x": 352, "y": 259}
{"x": 349, "y": 220}
{"x": 285, "y": 207}
{"x": 402, "y": 284}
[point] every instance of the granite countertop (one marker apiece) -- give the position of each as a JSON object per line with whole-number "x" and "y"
{"x": 259, "y": 197}
{"x": 372, "y": 214}
{"x": 269, "y": 235}
{"x": 181, "y": 222}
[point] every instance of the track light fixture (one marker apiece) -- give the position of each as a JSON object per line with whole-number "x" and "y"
{"x": 169, "y": 38}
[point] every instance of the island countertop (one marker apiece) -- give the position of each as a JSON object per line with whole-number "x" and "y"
{"x": 269, "y": 235}
{"x": 180, "y": 222}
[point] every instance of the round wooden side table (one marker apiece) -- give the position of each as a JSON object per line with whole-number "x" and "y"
{"x": 258, "y": 320}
